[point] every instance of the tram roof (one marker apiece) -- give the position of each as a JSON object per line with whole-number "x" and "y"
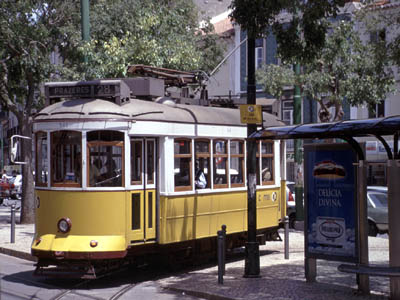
{"x": 141, "y": 110}
{"x": 353, "y": 128}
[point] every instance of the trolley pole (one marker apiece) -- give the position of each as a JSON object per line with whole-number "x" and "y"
{"x": 252, "y": 259}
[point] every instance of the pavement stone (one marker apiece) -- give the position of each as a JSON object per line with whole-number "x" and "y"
{"x": 281, "y": 279}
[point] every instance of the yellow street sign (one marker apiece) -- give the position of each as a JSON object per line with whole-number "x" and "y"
{"x": 250, "y": 114}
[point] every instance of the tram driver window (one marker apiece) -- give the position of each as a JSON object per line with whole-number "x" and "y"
{"x": 183, "y": 164}
{"x": 66, "y": 159}
{"x": 105, "y": 158}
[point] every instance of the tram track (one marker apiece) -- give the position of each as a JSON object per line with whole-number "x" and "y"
{"x": 75, "y": 289}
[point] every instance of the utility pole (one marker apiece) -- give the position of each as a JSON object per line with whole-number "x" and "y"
{"x": 252, "y": 259}
{"x": 85, "y": 22}
{"x": 298, "y": 155}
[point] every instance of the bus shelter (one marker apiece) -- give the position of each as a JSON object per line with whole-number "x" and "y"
{"x": 349, "y": 131}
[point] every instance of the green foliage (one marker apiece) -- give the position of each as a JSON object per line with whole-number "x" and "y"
{"x": 347, "y": 69}
{"x": 287, "y": 19}
{"x": 385, "y": 24}
{"x": 275, "y": 78}
{"x": 158, "y": 33}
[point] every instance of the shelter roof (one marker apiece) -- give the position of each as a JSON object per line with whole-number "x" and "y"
{"x": 353, "y": 128}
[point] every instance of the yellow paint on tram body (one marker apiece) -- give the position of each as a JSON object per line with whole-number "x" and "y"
{"x": 106, "y": 217}
{"x": 94, "y": 215}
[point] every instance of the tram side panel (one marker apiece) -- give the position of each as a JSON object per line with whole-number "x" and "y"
{"x": 198, "y": 216}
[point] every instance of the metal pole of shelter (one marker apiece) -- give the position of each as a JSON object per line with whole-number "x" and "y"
{"x": 394, "y": 223}
{"x": 363, "y": 279}
{"x": 252, "y": 259}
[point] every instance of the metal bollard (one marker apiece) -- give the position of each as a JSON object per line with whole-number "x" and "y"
{"x": 223, "y": 227}
{"x": 13, "y": 224}
{"x": 286, "y": 225}
{"x": 221, "y": 254}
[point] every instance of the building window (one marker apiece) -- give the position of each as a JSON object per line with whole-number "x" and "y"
{"x": 183, "y": 164}
{"x": 66, "y": 158}
{"x": 42, "y": 171}
{"x": 220, "y": 163}
{"x": 259, "y": 55}
{"x": 202, "y": 164}
{"x": 287, "y": 112}
{"x": 376, "y": 110}
{"x": 105, "y": 150}
{"x": 266, "y": 175}
{"x": 237, "y": 163}
{"x": 377, "y": 36}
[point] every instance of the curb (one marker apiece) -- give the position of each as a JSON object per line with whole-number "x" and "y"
{"x": 18, "y": 254}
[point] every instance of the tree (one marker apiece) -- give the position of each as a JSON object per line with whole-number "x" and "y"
{"x": 286, "y": 19}
{"x": 383, "y": 24}
{"x": 158, "y": 33}
{"x": 347, "y": 70}
{"x": 164, "y": 33}
{"x": 29, "y": 31}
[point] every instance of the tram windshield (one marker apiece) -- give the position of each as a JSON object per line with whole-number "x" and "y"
{"x": 66, "y": 158}
{"x": 105, "y": 153}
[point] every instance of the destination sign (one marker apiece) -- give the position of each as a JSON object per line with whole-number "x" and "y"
{"x": 114, "y": 89}
{"x": 99, "y": 89}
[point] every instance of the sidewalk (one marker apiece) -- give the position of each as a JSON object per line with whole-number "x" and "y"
{"x": 280, "y": 279}
{"x": 23, "y": 235}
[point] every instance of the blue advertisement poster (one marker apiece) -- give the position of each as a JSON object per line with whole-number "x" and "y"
{"x": 330, "y": 190}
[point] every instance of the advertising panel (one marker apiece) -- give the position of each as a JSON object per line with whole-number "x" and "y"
{"x": 330, "y": 202}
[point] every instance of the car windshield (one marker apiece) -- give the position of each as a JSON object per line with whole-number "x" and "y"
{"x": 379, "y": 199}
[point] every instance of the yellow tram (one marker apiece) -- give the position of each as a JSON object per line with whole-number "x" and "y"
{"x": 117, "y": 175}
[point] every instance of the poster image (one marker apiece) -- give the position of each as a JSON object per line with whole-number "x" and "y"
{"x": 330, "y": 192}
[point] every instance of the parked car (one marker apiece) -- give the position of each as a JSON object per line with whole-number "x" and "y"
{"x": 5, "y": 188}
{"x": 377, "y": 203}
{"x": 16, "y": 187}
{"x": 290, "y": 203}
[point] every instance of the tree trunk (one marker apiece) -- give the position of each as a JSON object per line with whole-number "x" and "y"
{"x": 28, "y": 207}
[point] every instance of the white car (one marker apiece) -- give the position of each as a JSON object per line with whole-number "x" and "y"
{"x": 16, "y": 187}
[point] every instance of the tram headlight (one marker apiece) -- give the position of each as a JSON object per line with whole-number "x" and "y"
{"x": 64, "y": 225}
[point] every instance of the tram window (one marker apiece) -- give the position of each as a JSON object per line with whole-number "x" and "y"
{"x": 183, "y": 164}
{"x": 150, "y": 161}
{"x": 66, "y": 159}
{"x": 237, "y": 163}
{"x": 267, "y": 163}
{"x": 202, "y": 164}
{"x": 41, "y": 172}
{"x": 105, "y": 157}
{"x": 220, "y": 163}
{"x": 136, "y": 162}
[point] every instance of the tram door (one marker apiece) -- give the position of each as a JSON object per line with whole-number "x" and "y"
{"x": 141, "y": 210}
